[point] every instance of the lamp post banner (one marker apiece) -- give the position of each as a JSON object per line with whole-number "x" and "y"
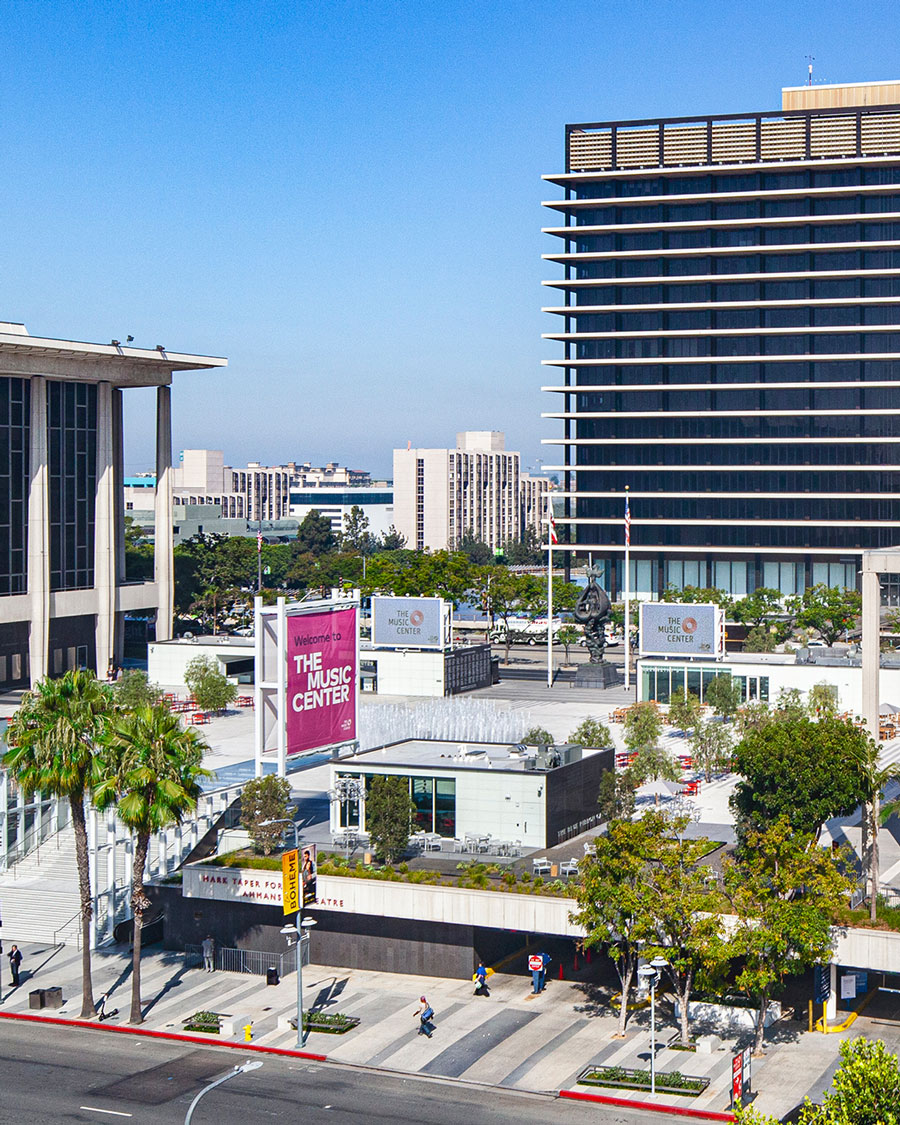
{"x": 322, "y": 679}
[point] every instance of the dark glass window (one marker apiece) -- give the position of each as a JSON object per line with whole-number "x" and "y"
{"x": 639, "y": 267}
{"x": 72, "y": 449}
{"x": 648, "y": 186}
{"x": 14, "y": 476}
{"x": 837, "y": 177}
{"x": 782, "y": 181}
{"x": 782, "y": 208}
{"x": 687, "y": 212}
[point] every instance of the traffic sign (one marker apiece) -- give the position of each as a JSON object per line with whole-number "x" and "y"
{"x": 290, "y": 881}
{"x": 535, "y": 962}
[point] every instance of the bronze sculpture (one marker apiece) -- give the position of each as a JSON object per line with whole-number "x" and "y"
{"x": 592, "y": 611}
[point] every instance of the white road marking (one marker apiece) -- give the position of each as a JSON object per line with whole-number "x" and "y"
{"x": 112, "y": 1112}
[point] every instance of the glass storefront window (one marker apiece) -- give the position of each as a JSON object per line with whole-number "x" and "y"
{"x": 445, "y": 806}
{"x": 423, "y": 799}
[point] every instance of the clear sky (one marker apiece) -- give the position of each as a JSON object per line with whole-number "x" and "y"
{"x": 343, "y": 197}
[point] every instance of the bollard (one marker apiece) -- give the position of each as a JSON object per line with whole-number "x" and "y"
{"x": 248, "y": 1032}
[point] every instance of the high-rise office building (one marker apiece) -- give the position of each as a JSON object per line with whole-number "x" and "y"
{"x": 442, "y": 494}
{"x": 63, "y": 592}
{"x": 731, "y": 341}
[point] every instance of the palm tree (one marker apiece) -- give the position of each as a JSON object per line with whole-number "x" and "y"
{"x": 149, "y": 768}
{"x": 874, "y": 778}
{"x": 53, "y": 737}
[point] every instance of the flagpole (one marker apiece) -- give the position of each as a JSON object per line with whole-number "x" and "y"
{"x": 627, "y": 592}
{"x": 549, "y": 593}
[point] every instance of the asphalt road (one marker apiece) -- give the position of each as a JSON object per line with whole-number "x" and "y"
{"x": 50, "y": 1074}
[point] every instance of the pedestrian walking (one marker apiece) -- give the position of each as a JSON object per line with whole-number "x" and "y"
{"x": 480, "y": 978}
{"x": 545, "y": 961}
{"x": 426, "y": 1014}
{"x": 15, "y": 960}
{"x": 209, "y": 954}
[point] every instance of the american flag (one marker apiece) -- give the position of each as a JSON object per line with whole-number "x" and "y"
{"x": 259, "y": 540}
{"x": 627, "y": 522}
{"x": 552, "y": 527}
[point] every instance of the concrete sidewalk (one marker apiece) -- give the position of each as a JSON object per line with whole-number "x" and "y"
{"x": 510, "y": 1039}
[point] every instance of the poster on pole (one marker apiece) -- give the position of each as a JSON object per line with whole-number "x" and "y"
{"x": 322, "y": 678}
{"x": 290, "y": 881}
{"x": 308, "y": 873}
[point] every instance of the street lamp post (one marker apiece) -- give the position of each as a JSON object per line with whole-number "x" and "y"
{"x": 301, "y": 925}
{"x": 650, "y": 975}
{"x": 250, "y": 1064}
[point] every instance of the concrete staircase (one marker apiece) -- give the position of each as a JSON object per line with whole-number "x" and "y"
{"x": 39, "y": 894}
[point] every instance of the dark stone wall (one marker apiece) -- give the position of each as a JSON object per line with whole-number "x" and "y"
{"x": 572, "y": 793}
{"x": 353, "y": 941}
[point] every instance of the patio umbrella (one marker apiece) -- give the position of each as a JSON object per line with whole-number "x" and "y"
{"x": 657, "y": 789}
{"x": 889, "y": 709}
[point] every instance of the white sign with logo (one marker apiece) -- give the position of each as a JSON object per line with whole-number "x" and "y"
{"x": 407, "y": 622}
{"x": 232, "y": 884}
{"x": 676, "y": 629}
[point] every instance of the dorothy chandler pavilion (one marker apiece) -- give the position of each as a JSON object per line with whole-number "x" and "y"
{"x": 730, "y": 322}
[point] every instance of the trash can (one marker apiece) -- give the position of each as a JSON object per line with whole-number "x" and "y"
{"x": 272, "y": 975}
{"x": 495, "y": 669}
{"x": 53, "y": 998}
{"x": 37, "y": 998}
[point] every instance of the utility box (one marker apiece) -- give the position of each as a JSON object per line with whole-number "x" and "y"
{"x": 37, "y": 998}
{"x": 53, "y": 998}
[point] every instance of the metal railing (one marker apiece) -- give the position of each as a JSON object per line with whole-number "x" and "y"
{"x": 252, "y": 961}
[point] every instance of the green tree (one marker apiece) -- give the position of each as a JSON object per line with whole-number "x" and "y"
{"x": 356, "y": 535}
{"x": 830, "y": 610}
{"x": 643, "y": 726}
{"x": 616, "y": 797}
{"x": 822, "y": 700}
{"x": 149, "y": 767}
{"x": 874, "y": 777}
{"x": 265, "y": 798}
{"x": 506, "y": 595}
{"x": 711, "y": 747}
{"x": 789, "y": 705}
{"x": 389, "y": 815}
{"x": 806, "y": 772}
{"x": 207, "y": 685}
{"x": 684, "y": 909}
{"x": 567, "y": 636}
{"x": 701, "y": 595}
{"x": 654, "y": 763}
{"x": 53, "y": 738}
{"x": 537, "y": 736}
{"x": 526, "y": 551}
{"x": 314, "y": 535}
{"x": 865, "y": 1089}
{"x": 781, "y": 930}
{"x": 133, "y": 689}
{"x": 724, "y": 694}
{"x": 613, "y": 905}
{"x": 227, "y": 568}
{"x": 760, "y": 639}
{"x": 138, "y": 553}
{"x": 392, "y": 540}
{"x": 476, "y": 550}
{"x": 756, "y": 608}
{"x": 685, "y": 711}
{"x": 592, "y": 733}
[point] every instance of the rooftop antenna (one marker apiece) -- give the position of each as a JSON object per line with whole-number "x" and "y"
{"x": 810, "y": 60}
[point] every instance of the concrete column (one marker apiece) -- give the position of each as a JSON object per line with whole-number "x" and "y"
{"x": 871, "y": 645}
{"x": 163, "y": 533}
{"x": 39, "y": 533}
{"x": 105, "y": 531}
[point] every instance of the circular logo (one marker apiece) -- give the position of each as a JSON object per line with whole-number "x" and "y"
{"x": 689, "y": 625}
{"x": 416, "y": 617}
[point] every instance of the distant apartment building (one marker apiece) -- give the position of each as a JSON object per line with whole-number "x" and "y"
{"x": 265, "y": 490}
{"x": 331, "y": 475}
{"x": 440, "y": 494}
{"x": 533, "y": 493}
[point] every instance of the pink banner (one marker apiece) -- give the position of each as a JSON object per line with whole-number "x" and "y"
{"x": 321, "y": 679}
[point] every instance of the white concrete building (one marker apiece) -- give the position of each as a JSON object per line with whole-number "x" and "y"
{"x": 63, "y": 594}
{"x": 440, "y": 494}
{"x": 335, "y": 503}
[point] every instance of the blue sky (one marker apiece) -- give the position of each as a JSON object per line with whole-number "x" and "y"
{"x": 344, "y": 198}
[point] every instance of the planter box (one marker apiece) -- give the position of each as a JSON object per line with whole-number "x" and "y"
{"x": 630, "y": 1080}
{"x": 347, "y": 1024}
{"x": 729, "y": 1018}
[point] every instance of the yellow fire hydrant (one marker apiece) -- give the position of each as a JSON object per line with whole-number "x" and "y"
{"x": 248, "y": 1032}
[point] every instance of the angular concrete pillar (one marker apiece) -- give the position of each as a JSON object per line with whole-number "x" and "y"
{"x": 163, "y": 565}
{"x": 39, "y": 533}
{"x": 105, "y": 531}
{"x": 871, "y": 644}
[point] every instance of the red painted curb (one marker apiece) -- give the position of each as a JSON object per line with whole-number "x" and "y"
{"x": 626, "y": 1103}
{"x": 206, "y": 1041}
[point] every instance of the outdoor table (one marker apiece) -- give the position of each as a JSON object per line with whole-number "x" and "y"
{"x": 433, "y": 842}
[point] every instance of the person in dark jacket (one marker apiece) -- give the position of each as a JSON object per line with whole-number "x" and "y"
{"x": 15, "y": 960}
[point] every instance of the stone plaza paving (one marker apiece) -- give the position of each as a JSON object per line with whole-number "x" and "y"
{"x": 510, "y": 1039}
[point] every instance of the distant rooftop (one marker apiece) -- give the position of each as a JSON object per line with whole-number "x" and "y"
{"x": 431, "y": 754}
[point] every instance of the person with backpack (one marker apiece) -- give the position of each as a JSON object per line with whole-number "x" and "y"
{"x": 426, "y": 1015}
{"x": 480, "y": 978}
